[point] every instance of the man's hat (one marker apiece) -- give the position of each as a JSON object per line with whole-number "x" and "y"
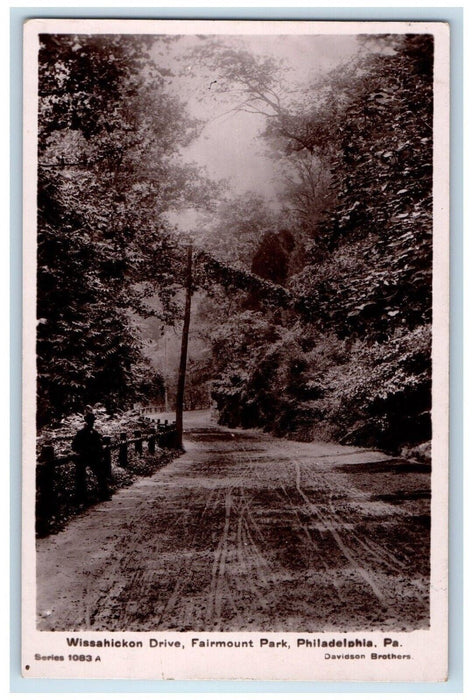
{"x": 89, "y": 414}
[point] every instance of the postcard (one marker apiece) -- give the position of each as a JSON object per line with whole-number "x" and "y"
{"x": 235, "y": 388}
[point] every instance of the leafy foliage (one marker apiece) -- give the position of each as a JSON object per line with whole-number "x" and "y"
{"x": 109, "y": 134}
{"x": 319, "y": 316}
{"x": 354, "y": 362}
{"x": 375, "y": 245}
{"x": 236, "y": 228}
{"x": 210, "y": 272}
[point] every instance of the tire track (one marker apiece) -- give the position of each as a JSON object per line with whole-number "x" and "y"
{"x": 333, "y": 523}
{"x": 214, "y": 612}
{"x": 185, "y": 572}
{"x": 201, "y": 547}
{"x": 313, "y": 545}
{"x": 373, "y": 549}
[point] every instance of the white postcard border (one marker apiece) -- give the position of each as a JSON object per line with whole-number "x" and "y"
{"x": 428, "y": 646}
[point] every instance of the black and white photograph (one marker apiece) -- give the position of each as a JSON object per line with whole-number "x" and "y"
{"x": 236, "y": 338}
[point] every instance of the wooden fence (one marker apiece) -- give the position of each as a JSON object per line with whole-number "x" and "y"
{"x": 160, "y": 408}
{"x": 151, "y": 408}
{"x": 49, "y": 473}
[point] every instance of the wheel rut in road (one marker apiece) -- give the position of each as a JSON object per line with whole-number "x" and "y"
{"x": 248, "y": 532}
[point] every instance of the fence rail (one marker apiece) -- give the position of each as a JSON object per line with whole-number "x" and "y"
{"x": 152, "y": 408}
{"x": 55, "y": 487}
{"x": 162, "y": 433}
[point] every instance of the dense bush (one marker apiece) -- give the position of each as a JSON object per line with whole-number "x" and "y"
{"x": 351, "y": 360}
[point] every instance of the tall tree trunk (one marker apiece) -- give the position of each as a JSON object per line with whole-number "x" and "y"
{"x": 181, "y": 382}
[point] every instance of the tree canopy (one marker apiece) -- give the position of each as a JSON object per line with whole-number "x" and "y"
{"x": 363, "y": 296}
{"x": 314, "y": 311}
{"x": 109, "y": 133}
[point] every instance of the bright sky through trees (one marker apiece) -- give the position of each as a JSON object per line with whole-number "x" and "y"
{"x": 229, "y": 146}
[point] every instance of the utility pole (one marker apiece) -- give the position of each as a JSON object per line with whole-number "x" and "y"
{"x": 165, "y": 373}
{"x": 181, "y": 381}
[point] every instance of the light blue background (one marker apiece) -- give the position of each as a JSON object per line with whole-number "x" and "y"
{"x": 455, "y": 18}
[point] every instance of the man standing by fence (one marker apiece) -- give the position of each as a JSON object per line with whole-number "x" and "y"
{"x": 88, "y": 445}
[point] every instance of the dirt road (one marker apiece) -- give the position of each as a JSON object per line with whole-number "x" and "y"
{"x": 247, "y": 532}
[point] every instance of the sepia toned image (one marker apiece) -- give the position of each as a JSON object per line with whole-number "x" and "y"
{"x": 237, "y": 312}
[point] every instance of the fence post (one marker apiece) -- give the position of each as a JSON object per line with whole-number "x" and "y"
{"x": 151, "y": 444}
{"x": 174, "y": 437}
{"x": 123, "y": 451}
{"x": 107, "y": 456}
{"x": 138, "y": 442}
{"x": 45, "y": 484}
{"x": 47, "y": 469}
